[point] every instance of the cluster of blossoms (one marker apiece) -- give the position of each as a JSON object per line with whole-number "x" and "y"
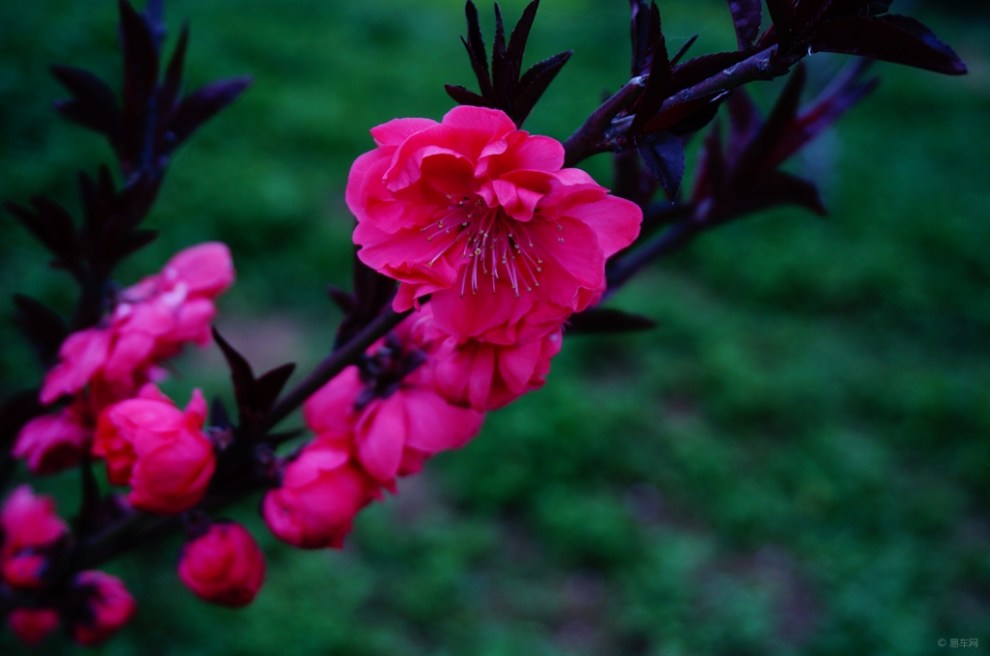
{"x": 114, "y": 411}
{"x": 92, "y": 604}
{"x": 493, "y": 245}
{"x": 478, "y": 218}
{"x": 99, "y": 366}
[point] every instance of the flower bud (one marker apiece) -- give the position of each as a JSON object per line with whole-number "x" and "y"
{"x": 31, "y": 625}
{"x": 322, "y": 491}
{"x": 106, "y": 606}
{"x": 30, "y": 529}
{"x": 224, "y": 565}
{"x": 160, "y": 451}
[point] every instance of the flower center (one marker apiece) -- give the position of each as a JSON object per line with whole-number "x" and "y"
{"x": 492, "y": 244}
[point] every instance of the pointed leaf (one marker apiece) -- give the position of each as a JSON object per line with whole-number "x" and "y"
{"x": 701, "y": 68}
{"x": 42, "y": 326}
{"x": 781, "y": 118}
{"x": 607, "y": 320}
{"x": 711, "y": 168}
{"x": 17, "y": 410}
{"x": 219, "y": 416}
{"x": 93, "y": 105}
{"x": 658, "y": 85}
{"x": 133, "y": 242}
{"x": 520, "y": 34}
{"x": 240, "y": 372}
{"x": 892, "y": 38}
{"x": 464, "y": 96}
{"x": 204, "y": 103}
{"x": 744, "y": 122}
{"x": 140, "y": 77}
{"x": 833, "y": 103}
{"x": 782, "y": 15}
{"x": 640, "y": 36}
{"x": 779, "y": 188}
{"x": 503, "y": 78}
{"x": 269, "y": 385}
{"x": 534, "y": 82}
{"x": 683, "y": 50}
{"x": 663, "y": 154}
{"x": 746, "y": 18}
{"x": 475, "y": 46}
{"x": 172, "y": 84}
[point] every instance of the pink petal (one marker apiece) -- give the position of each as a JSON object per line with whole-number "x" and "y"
{"x": 398, "y": 130}
{"x": 381, "y": 434}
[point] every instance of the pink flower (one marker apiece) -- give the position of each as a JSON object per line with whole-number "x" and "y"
{"x": 389, "y": 407}
{"x": 81, "y": 355}
{"x": 109, "y": 606}
{"x": 488, "y": 376}
{"x": 321, "y": 492}
{"x": 32, "y": 625}
{"x": 160, "y": 451}
{"x": 481, "y": 216}
{"x": 51, "y": 443}
{"x": 224, "y": 565}
{"x": 30, "y": 529}
{"x": 151, "y": 322}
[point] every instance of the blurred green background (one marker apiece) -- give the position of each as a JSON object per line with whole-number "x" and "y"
{"x": 794, "y": 462}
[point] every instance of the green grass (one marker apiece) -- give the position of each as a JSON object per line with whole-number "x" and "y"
{"x": 793, "y": 462}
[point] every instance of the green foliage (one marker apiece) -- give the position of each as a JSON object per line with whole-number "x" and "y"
{"x": 794, "y": 462}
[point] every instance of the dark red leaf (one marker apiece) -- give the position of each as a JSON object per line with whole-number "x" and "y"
{"x": 658, "y": 85}
{"x": 779, "y": 188}
{"x": 42, "y": 326}
{"x": 133, "y": 242}
{"x": 809, "y": 13}
{"x": 475, "y": 46}
{"x": 701, "y": 68}
{"x": 663, "y": 154}
{"x": 204, "y": 103}
{"x": 17, "y": 410}
{"x": 534, "y": 82}
{"x": 778, "y": 122}
{"x": 683, "y": 50}
{"x": 744, "y": 122}
{"x": 502, "y": 75}
{"x": 140, "y": 78}
{"x": 782, "y": 15}
{"x": 892, "y": 38}
{"x": 711, "y": 167}
{"x": 269, "y": 385}
{"x": 639, "y": 28}
{"x": 607, "y": 320}
{"x": 240, "y": 372}
{"x": 172, "y": 83}
{"x": 838, "y": 98}
{"x": 746, "y": 18}
{"x": 93, "y": 106}
{"x": 520, "y": 34}
{"x": 464, "y": 96}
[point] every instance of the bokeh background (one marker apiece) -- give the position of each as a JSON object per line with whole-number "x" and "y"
{"x": 795, "y": 461}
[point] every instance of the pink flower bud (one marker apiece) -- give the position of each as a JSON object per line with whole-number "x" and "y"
{"x": 321, "y": 492}
{"x": 30, "y": 528}
{"x": 160, "y": 451}
{"x": 225, "y": 565}
{"x": 107, "y": 607}
{"x": 51, "y": 443}
{"x": 488, "y": 376}
{"x": 32, "y": 625}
